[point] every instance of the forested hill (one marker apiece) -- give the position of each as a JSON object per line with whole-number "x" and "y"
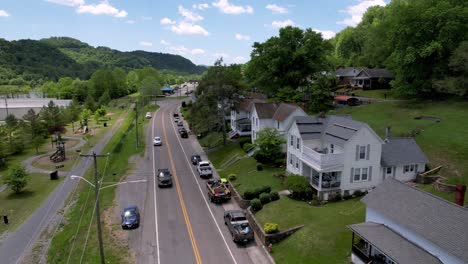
{"x": 49, "y": 59}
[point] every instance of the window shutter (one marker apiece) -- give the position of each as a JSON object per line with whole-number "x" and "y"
{"x": 370, "y": 174}
{"x": 368, "y": 151}
{"x": 352, "y": 175}
{"x": 357, "y": 152}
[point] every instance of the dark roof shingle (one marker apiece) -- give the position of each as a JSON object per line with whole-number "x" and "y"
{"x": 402, "y": 151}
{"x": 435, "y": 219}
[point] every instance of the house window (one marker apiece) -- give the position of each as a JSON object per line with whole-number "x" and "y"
{"x": 332, "y": 148}
{"x": 277, "y": 124}
{"x": 412, "y": 167}
{"x": 389, "y": 170}
{"x": 292, "y": 140}
{"x": 364, "y": 174}
{"x": 406, "y": 168}
{"x": 290, "y": 159}
{"x": 298, "y": 143}
{"x": 357, "y": 174}
{"x": 362, "y": 152}
{"x": 297, "y": 163}
{"x": 256, "y": 121}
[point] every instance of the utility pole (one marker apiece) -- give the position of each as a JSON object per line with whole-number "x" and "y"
{"x": 136, "y": 122}
{"x": 96, "y": 194}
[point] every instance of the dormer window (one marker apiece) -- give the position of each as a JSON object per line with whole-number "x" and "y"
{"x": 332, "y": 148}
{"x": 298, "y": 143}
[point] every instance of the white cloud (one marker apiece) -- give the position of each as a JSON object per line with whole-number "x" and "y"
{"x": 184, "y": 28}
{"x": 146, "y": 43}
{"x": 326, "y": 34}
{"x": 4, "y": 13}
{"x": 189, "y": 15}
{"x": 179, "y": 49}
{"x": 220, "y": 54}
{"x": 130, "y": 21}
{"x": 276, "y": 9}
{"x": 197, "y": 52}
{"x": 165, "y": 43}
{"x": 239, "y": 59}
{"x": 242, "y": 37}
{"x": 281, "y": 24}
{"x": 146, "y": 18}
{"x": 167, "y": 21}
{"x": 68, "y": 2}
{"x": 225, "y": 7}
{"x": 104, "y": 8}
{"x": 201, "y": 6}
{"x": 357, "y": 11}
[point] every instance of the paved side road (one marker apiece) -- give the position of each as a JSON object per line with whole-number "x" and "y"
{"x": 18, "y": 243}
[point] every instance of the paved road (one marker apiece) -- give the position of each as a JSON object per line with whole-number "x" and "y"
{"x": 178, "y": 224}
{"x": 18, "y": 243}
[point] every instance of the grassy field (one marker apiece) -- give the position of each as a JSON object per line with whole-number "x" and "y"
{"x": 378, "y": 94}
{"x": 246, "y": 169}
{"x": 444, "y": 143}
{"x": 20, "y": 206}
{"x": 121, "y": 147}
{"x": 324, "y": 237}
{"x": 212, "y": 140}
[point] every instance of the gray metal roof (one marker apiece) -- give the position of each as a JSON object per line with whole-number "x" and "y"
{"x": 32, "y": 102}
{"x": 402, "y": 151}
{"x": 274, "y": 111}
{"x": 375, "y": 73}
{"x": 334, "y": 129}
{"x": 393, "y": 244}
{"x": 437, "y": 220}
{"x": 347, "y": 72}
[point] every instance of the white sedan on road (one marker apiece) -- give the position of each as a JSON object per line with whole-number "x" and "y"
{"x": 148, "y": 115}
{"x": 157, "y": 141}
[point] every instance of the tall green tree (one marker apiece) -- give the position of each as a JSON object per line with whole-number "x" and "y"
{"x": 53, "y": 117}
{"x": 16, "y": 178}
{"x": 287, "y": 60}
{"x": 320, "y": 91}
{"x": 269, "y": 141}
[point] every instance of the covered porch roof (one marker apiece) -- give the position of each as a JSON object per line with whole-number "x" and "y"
{"x": 392, "y": 244}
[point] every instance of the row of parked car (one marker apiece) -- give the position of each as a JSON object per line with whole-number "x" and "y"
{"x": 217, "y": 191}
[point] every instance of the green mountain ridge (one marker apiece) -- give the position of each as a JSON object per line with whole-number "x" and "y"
{"x": 35, "y": 61}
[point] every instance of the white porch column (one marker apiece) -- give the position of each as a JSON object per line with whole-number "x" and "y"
{"x": 320, "y": 180}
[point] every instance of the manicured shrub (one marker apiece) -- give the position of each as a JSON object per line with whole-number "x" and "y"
{"x": 265, "y": 198}
{"x": 248, "y": 195}
{"x": 358, "y": 193}
{"x": 184, "y": 104}
{"x": 280, "y": 162}
{"x": 248, "y": 147}
{"x": 274, "y": 196}
{"x": 260, "y": 157}
{"x": 244, "y": 140}
{"x": 256, "y": 205}
{"x": 271, "y": 228}
{"x": 346, "y": 195}
{"x": 232, "y": 177}
{"x": 299, "y": 186}
{"x": 259, "y": 167}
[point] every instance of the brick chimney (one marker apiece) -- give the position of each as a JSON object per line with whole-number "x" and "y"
{"x": 460, "y": 194}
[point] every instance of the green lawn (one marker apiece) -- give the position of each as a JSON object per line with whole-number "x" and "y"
{"x": 20, "y": 206}
{"x": 379, "y": 94}
{"x": 212, "y": 140}
{"x": 444, "y": 143}
{"x": 447, "y": 196}
{"x": 246, "y": 169}
{"x": 324, "y": 237}
{"x": 121, "y": 147}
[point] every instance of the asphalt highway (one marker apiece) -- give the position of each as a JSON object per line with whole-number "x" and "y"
{"x": 178, "y": 224}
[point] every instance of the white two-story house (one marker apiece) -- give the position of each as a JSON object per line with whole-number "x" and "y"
{"x": 407, "y": 225}
{"x": 341, "y": 155}
{"x": 240, "y": 117}
{"x": 273, "y": 115}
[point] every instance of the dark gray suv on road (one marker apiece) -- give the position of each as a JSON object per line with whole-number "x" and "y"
{"x": 164, "y": 178}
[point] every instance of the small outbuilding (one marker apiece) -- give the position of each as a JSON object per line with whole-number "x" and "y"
{"x": 167, "y": 90}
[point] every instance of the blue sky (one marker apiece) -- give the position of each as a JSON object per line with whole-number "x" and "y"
{"x": 201, "y": 31}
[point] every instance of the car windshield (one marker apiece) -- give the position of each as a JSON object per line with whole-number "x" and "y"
{"x": 129, "y": 213}
{"x": 157, "y": 138}
{"x": 163, "y": 174}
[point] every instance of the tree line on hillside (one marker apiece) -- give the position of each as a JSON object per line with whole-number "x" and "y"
{"x": 422, "y": 42}
{"x": 32, "y": 62}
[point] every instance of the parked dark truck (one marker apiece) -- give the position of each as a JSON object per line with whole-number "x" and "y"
{"x": 218, "y": 192}
{"x": 238, "y": 225}
{"x": 204, "y": 169}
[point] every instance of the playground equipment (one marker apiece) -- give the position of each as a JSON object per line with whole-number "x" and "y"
{"x": 59, "y": 154}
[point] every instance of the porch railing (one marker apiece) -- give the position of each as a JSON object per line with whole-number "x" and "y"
{"x": 321, "y": 160}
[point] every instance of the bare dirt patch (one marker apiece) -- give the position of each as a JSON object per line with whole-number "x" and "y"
{"x": 45, "y": 163}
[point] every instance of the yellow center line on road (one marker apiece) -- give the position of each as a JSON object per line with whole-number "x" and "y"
{"x": 181, "y": 198}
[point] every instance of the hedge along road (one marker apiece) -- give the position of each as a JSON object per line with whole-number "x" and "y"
{"x": 178, "y": 225}
{"x": 19, "y": 243}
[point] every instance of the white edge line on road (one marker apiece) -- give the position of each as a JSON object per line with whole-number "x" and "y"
{"x": 201, "y": 192}
{"x": 154, "y": 192}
